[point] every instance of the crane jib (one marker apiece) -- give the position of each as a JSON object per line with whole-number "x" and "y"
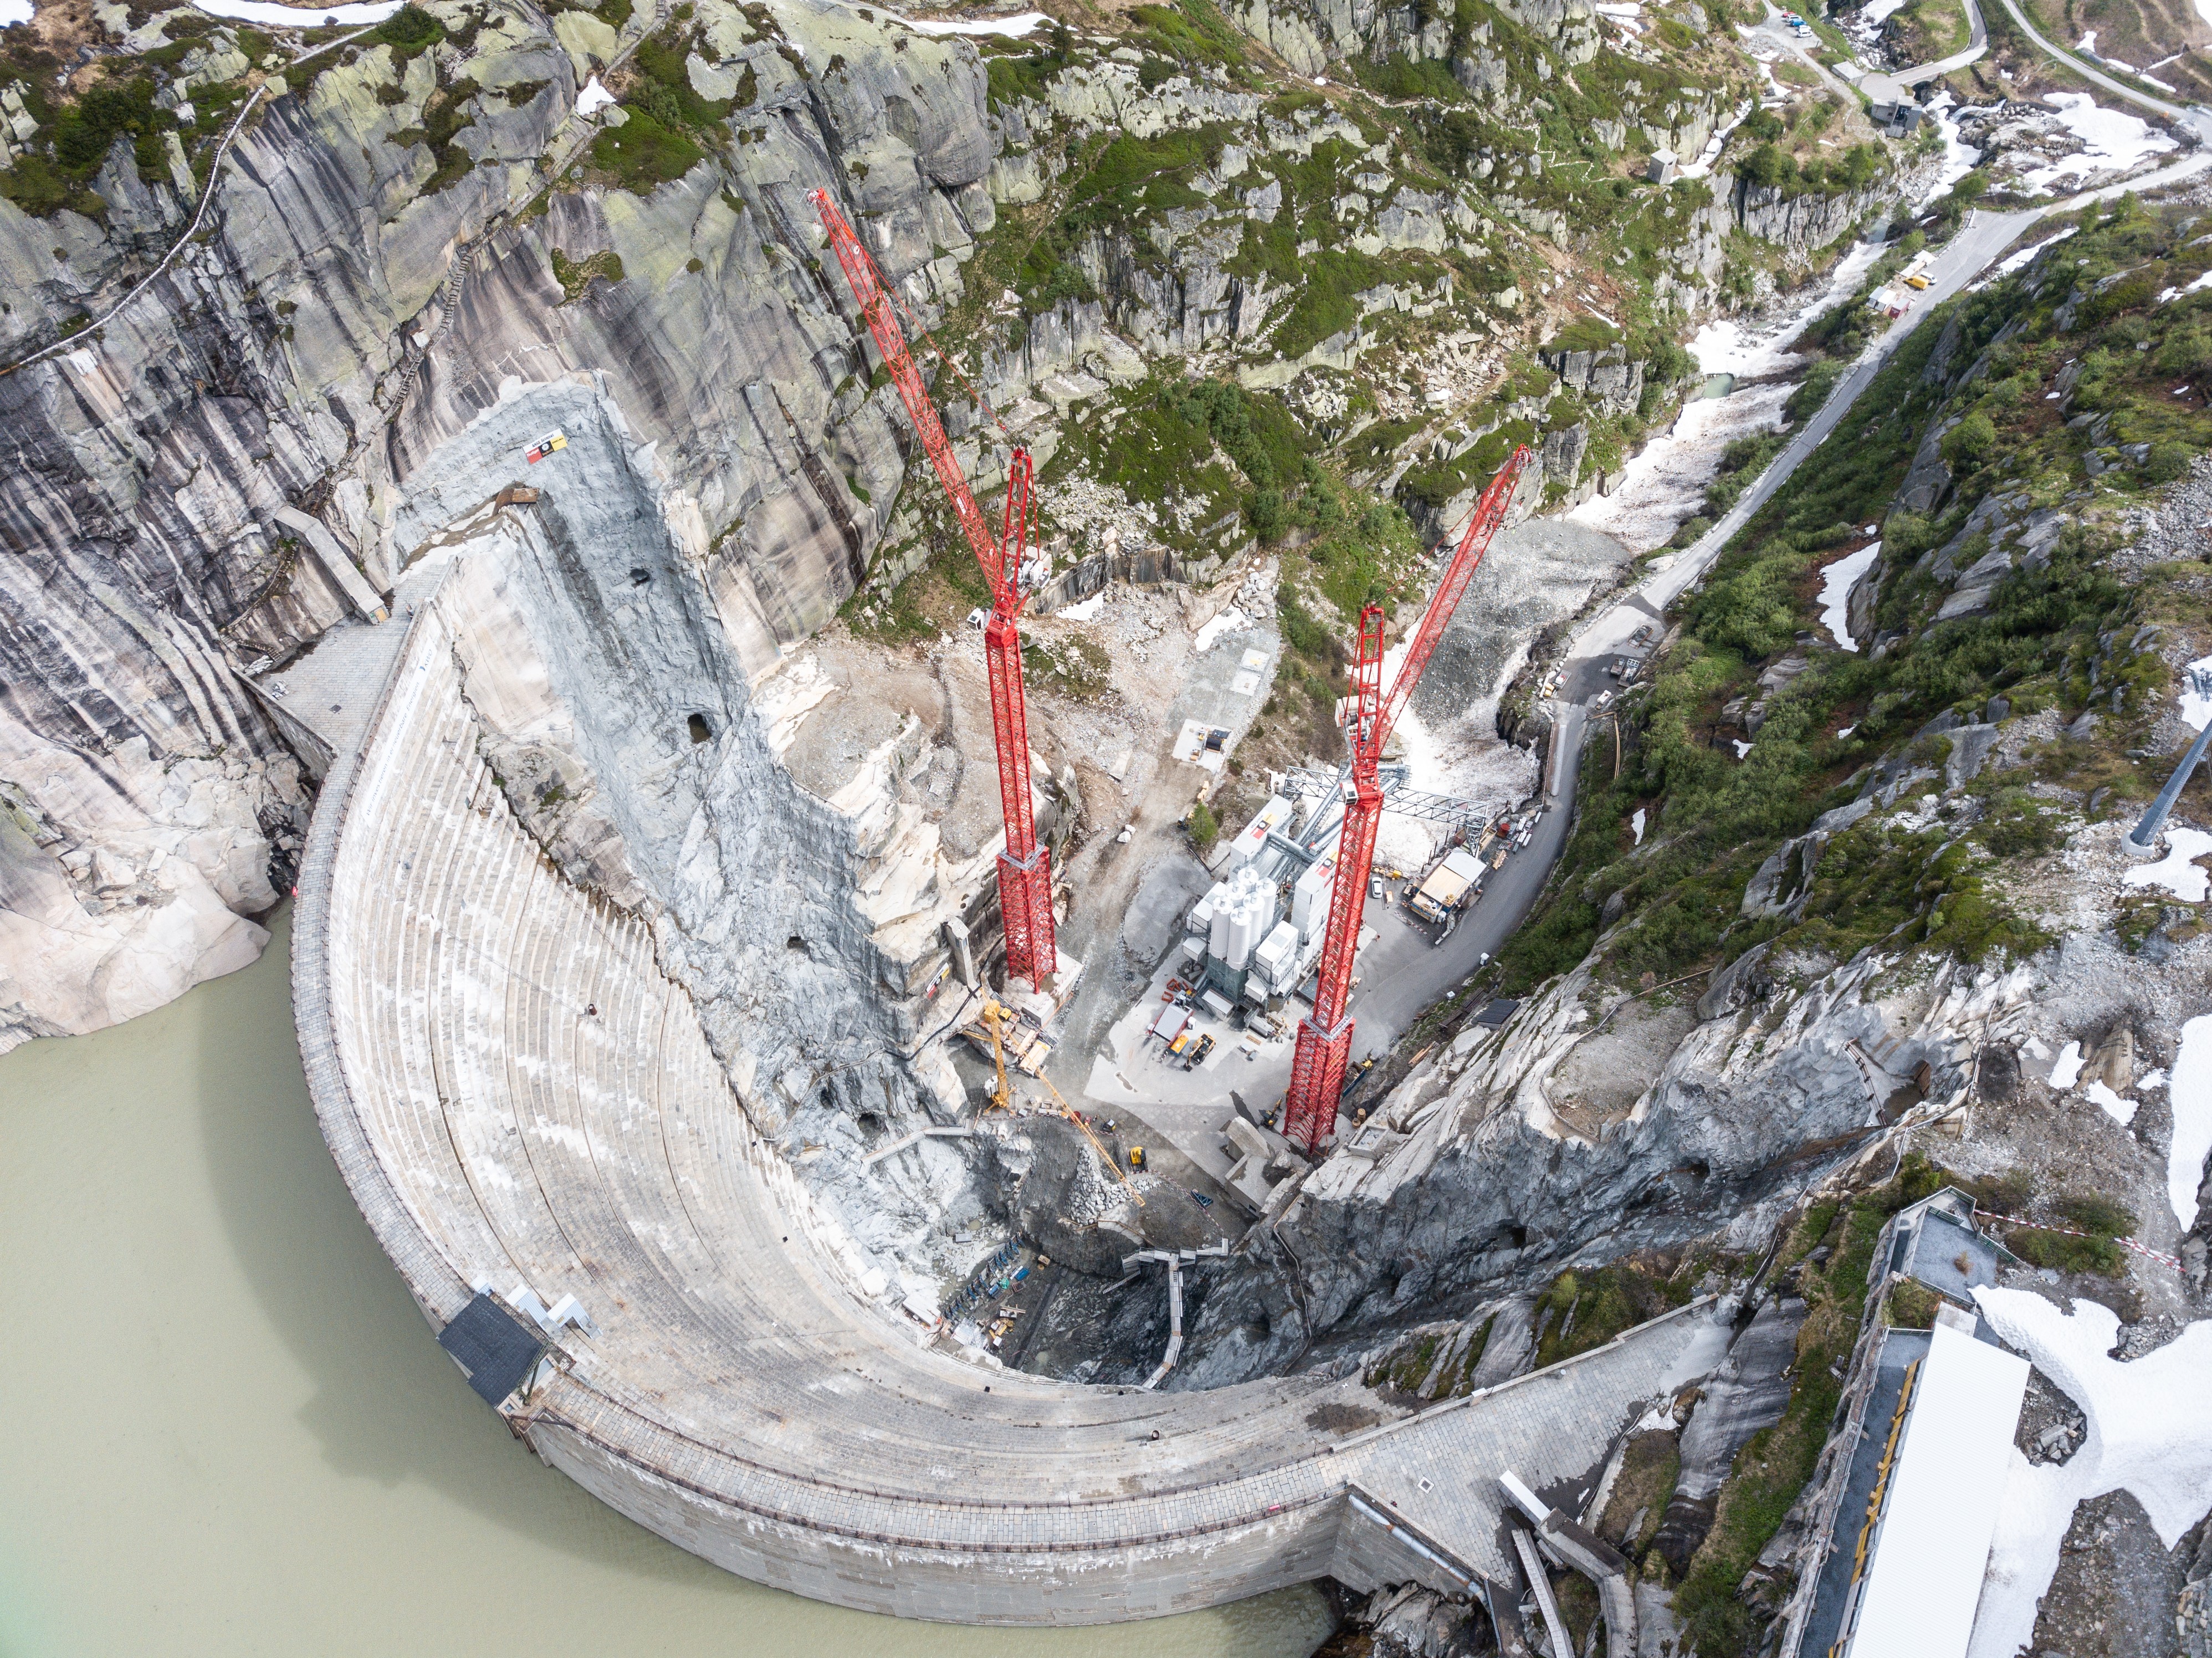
{"x": 1025, "y": 867}
{"x": 1324, "y": 1045}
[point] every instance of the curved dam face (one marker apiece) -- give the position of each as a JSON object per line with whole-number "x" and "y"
{"x": 523, "y": 1101}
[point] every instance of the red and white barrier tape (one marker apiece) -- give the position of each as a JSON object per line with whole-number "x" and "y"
{"x": 2045, "y": 1226}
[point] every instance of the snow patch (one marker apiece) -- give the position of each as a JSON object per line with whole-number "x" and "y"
{"x": 2068, "y": 1070}
{"x": 1959, "y": 158}
{"x": 1728, "y": 347}
{"x": 2112, "y": 142}
{"x": 1229, "y": 618}
{"x": 1711, "y": 152}
{"x": 2195, "y": 707}
{"x": 2178, "y": 871}
{"x": 1020, "y": 24}
{"x": 1083, "y": 610}
{"x": 2087, "y": 43}
{"x": 2117, "y": 1106}
{"x": 1636, "y": 827}
{"x": 2148, "y": 1433}
{"x": 2013, "y": 262}
{"x": 1836, "y": 584}
{"x": 2192, "y": 1119}
{"x": 594, "y": 98}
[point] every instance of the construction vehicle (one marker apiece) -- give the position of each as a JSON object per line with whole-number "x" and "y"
{"x": 1105, "y": 1156}
{"x": 1025, "y": 867}
{"x": 996, "y": 1017}
{"x": 1136, "y": 1156}
{"x": 1325, "y": 1034}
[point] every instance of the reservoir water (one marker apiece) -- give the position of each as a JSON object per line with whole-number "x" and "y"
{"x": 227, "y": 1430}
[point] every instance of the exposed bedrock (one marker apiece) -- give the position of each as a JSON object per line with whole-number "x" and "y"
{"x": 151, "y": 805}
{"x": 595, "y": 656}
{"x": 1504, "y": 1155}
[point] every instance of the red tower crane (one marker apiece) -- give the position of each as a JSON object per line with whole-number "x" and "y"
{"x": 1325, "y": 1034}
{"x": 1025, "y": 867}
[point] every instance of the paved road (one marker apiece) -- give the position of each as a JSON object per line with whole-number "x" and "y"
{"x": 2194, "y": 117}
{"x": 1889, "y": 87}
{"x": 1402, "y": 974}
{"x": 1772, "y": 31}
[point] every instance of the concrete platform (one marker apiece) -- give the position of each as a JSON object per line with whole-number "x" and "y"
{"x": 518, "y": 1097}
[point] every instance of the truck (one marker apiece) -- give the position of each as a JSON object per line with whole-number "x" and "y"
{"x": 1449, "y": 888}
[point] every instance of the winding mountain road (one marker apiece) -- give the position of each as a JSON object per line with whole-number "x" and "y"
{"x": 2194, "y": 117}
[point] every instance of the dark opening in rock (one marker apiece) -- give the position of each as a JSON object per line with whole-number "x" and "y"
{"x": 700, "y": 730}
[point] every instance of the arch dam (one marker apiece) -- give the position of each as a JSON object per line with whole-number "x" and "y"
{"x": 740, "y": 1392}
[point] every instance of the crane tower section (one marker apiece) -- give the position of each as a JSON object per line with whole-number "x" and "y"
{"x": 1324, "y": 1046}
{"x": 1025, "y": 867}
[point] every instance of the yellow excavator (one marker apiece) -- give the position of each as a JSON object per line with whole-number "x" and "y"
{"x": 996, "y": 1016}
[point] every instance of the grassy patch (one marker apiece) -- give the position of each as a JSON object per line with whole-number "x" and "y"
{"x": 574, "y": 276}
{"x": 1074, "y": 665}
{"x": 643, "y": 155}
{"x": 1586, "y": 1309}
{"x": 1774, "y": 1465}
{"x": 1648, "y": 1468}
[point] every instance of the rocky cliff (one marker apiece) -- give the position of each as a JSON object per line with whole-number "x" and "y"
{"x": 354, "y": 304}
{"x": 232, "y": 439}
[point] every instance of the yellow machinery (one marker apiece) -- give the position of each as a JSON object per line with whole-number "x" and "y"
{"x": 996, "y": 1016}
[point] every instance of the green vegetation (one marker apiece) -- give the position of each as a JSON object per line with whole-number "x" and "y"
{"x": 444, "y": 116}
{"x": 2104, "y": 1221}
{"x": 1190, "y": 32}
{"x": 1586, "y": 1309}
{"x": 1717, "y": 816}
{"x": 1205, "y": 828}
{"x": 1406, "y": 1366}
{"x": 642, "y": 154}
{"x": 1074, "y": 665}
{"x": 1769, "y": 168}
{"x": 575, "y": 276}
{"x": 1773, "y": 1466}
{"x": 665, "y": 92}
{"x": 1397, "y": 76}
{"x": 80, "y": 134}
{"x": 1022, "y": 70}
{"x": 410, "y": 32}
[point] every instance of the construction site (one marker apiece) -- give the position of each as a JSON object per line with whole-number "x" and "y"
{"x": 607, "y": 1182}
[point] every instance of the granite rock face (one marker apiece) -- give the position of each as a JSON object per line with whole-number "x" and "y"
{"x": 1481, "y": 1173}
{"x": 335, "y": 328}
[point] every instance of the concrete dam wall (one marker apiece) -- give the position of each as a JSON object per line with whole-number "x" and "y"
{"x": 518, "y": 1097}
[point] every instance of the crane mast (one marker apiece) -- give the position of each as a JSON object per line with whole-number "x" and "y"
{"x": 1325, "y": 1034}
{"x": 1025, "y": 867}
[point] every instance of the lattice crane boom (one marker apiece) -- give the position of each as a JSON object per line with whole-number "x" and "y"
{"x": 1325, "y": 1036}
{"x": 1025, "y": 867}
